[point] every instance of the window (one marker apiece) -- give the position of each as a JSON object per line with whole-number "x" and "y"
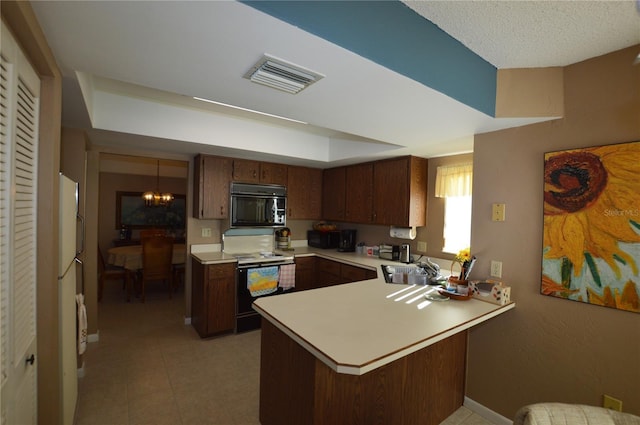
{"x": 453, "y": 183}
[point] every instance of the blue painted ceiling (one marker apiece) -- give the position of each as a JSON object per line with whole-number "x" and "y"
{"x": 394, "y": 36}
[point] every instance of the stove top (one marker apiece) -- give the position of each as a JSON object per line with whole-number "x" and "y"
{"x": 263, "y": 257}
{"x": 254, "y": 249}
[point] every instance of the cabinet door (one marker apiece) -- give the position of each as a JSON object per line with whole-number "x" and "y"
{"x": 271, "y": 173}
{"x": 359, "y": 193}
{"x": 304, "y": 193}
{"x": 334, "y": 193}
{"x": 246, "y": 171}
{"x": 328, "y": 273}
{"x": 400, "y": 191}
{"x": 198, "y": 298}
{"x": 221, "y": 296}
{"x": 211, "y": 191}
{"x": 352, "y": 273}
{"x": 305, "y": 273}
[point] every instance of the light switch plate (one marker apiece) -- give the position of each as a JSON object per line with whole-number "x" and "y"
{"x": 498, "y": 212}
{"x": 206, "y": 232}
{"x": 422, "y": 246}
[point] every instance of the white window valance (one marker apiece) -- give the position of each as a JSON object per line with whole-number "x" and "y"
{"x": 454, "y": 180}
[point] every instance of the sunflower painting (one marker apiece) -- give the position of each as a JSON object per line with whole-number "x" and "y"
{"x": 591, "y": 249}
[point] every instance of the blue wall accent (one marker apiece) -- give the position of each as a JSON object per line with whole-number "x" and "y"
{"x": 394, "y": 36}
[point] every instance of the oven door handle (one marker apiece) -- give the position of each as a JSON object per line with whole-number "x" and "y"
{"x": 264, "y": 264}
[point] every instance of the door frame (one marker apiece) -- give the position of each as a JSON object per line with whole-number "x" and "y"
{"x": 21, "y": 20}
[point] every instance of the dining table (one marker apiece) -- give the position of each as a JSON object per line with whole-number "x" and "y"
{"x": 130, "y": 259}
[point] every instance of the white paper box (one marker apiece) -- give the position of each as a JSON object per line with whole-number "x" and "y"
{"x": 492, "y": 292}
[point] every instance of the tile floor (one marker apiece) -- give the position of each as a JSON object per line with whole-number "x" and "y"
{"x": 149, "y": 368}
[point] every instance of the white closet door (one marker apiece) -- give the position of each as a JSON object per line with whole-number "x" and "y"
{"x": 19, "y": 109}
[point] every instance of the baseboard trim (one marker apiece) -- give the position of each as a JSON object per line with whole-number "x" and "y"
{"x": 485, "y": 412}
{"x": 93, "y": 337}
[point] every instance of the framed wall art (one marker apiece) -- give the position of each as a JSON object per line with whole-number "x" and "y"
{"x": 591, "y": 243}
{"x": 132, "y": 212}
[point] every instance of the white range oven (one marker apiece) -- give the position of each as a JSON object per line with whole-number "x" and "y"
{"x": 257, "y": 276}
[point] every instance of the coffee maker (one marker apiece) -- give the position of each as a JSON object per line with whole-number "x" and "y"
{"x": 347, "y": 240}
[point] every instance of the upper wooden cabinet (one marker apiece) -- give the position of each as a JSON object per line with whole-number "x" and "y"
{"x": 359, "y": 193}
{"x": 248, "y": 171}
{"x": 304, "y": 193}
{"x": 212, "y": 175}
{"x": 400, "y": 191}
{"x": 388, "y": 192}
{"x": 334, "y": 193}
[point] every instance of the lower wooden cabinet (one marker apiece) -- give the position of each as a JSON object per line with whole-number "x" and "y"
{"x": 213, "y": 293}
{"x": 331, "y": 272}
{"x": 305, "y": 273}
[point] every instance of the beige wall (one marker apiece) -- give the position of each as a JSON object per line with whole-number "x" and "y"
{"x": 549, "y": 349}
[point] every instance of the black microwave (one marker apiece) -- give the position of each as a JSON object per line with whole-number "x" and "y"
{"x": 317, "y": 239}
{"x": 257, "y": 205}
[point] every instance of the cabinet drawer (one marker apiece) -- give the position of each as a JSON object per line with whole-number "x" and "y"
{"x": 218, "y": 271}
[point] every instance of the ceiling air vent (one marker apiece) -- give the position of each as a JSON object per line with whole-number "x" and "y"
{"x": 282, "y": 75}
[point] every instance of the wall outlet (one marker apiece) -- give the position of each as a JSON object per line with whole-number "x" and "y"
{"x": 496, "y": 268}
{"x": 206, "y": 232}
{"x": 422, "y": 247}
{"x": 611, "y": 403}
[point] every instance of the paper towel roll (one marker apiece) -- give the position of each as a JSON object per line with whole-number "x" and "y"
{"x": 403, "y": 232}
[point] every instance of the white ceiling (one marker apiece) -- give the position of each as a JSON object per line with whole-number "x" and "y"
{"x": 151, "y": 57}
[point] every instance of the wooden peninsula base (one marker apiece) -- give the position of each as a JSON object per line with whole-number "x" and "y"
{"x": 296, "y": 388}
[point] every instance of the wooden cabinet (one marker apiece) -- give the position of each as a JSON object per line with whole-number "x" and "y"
{"x": 351, "y": 273}
{"x": 305, "y": 273}
{"x": 213, "y": 295}
{"x": 331, "y": 272}
{"x": 212, "y": 175}
{"x": 327, "y": 273}
{"x": 387, "y": 192}
{"x": 400, "y": 191}
{"x": 304, "y": 193}
{"x": 334, "y": 193}
{"x": 248, "y": 171}
{"x": 359, "y": 193}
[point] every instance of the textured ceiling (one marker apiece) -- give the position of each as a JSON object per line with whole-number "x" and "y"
{"x": 532, "y": 34}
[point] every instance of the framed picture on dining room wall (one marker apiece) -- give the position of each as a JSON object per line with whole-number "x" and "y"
{"x": 132, "y": 212}
{"x": 591, "y": 248}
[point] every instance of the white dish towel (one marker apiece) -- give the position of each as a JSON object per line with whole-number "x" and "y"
{"x": 82, "y": 324}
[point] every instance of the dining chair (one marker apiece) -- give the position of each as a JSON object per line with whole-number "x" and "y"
{"x": 149, "y": 233}
{"x": 157, "y": 252}
{"x": 106, "y": 273}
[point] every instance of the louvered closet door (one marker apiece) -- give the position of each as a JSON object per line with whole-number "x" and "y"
{"x": 19, "y": 98}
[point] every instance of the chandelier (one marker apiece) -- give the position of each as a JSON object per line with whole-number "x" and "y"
{"x": 155, "y": 198}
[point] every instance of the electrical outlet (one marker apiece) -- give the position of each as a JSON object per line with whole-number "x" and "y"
{"x": 206, "y": 232}
{"x": 422, "y": 246}
{"x": 496, "y": 268}
{"x": 611, "y": 403}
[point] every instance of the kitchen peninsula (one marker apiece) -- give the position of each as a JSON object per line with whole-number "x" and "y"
{"x": 364, "y": 353}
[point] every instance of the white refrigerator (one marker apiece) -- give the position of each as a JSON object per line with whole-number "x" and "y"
{"x": 68, "y": 309}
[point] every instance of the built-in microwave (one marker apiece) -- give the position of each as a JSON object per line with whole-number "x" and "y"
{"x": 258, "y": 205}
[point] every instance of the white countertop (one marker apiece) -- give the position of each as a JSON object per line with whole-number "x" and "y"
{"x": 357, "y": 327}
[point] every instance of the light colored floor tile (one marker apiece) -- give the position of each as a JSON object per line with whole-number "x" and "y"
{"x": 149, "y": 368}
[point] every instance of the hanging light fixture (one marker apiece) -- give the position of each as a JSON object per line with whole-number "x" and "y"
{"x": 155, "y": 198}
